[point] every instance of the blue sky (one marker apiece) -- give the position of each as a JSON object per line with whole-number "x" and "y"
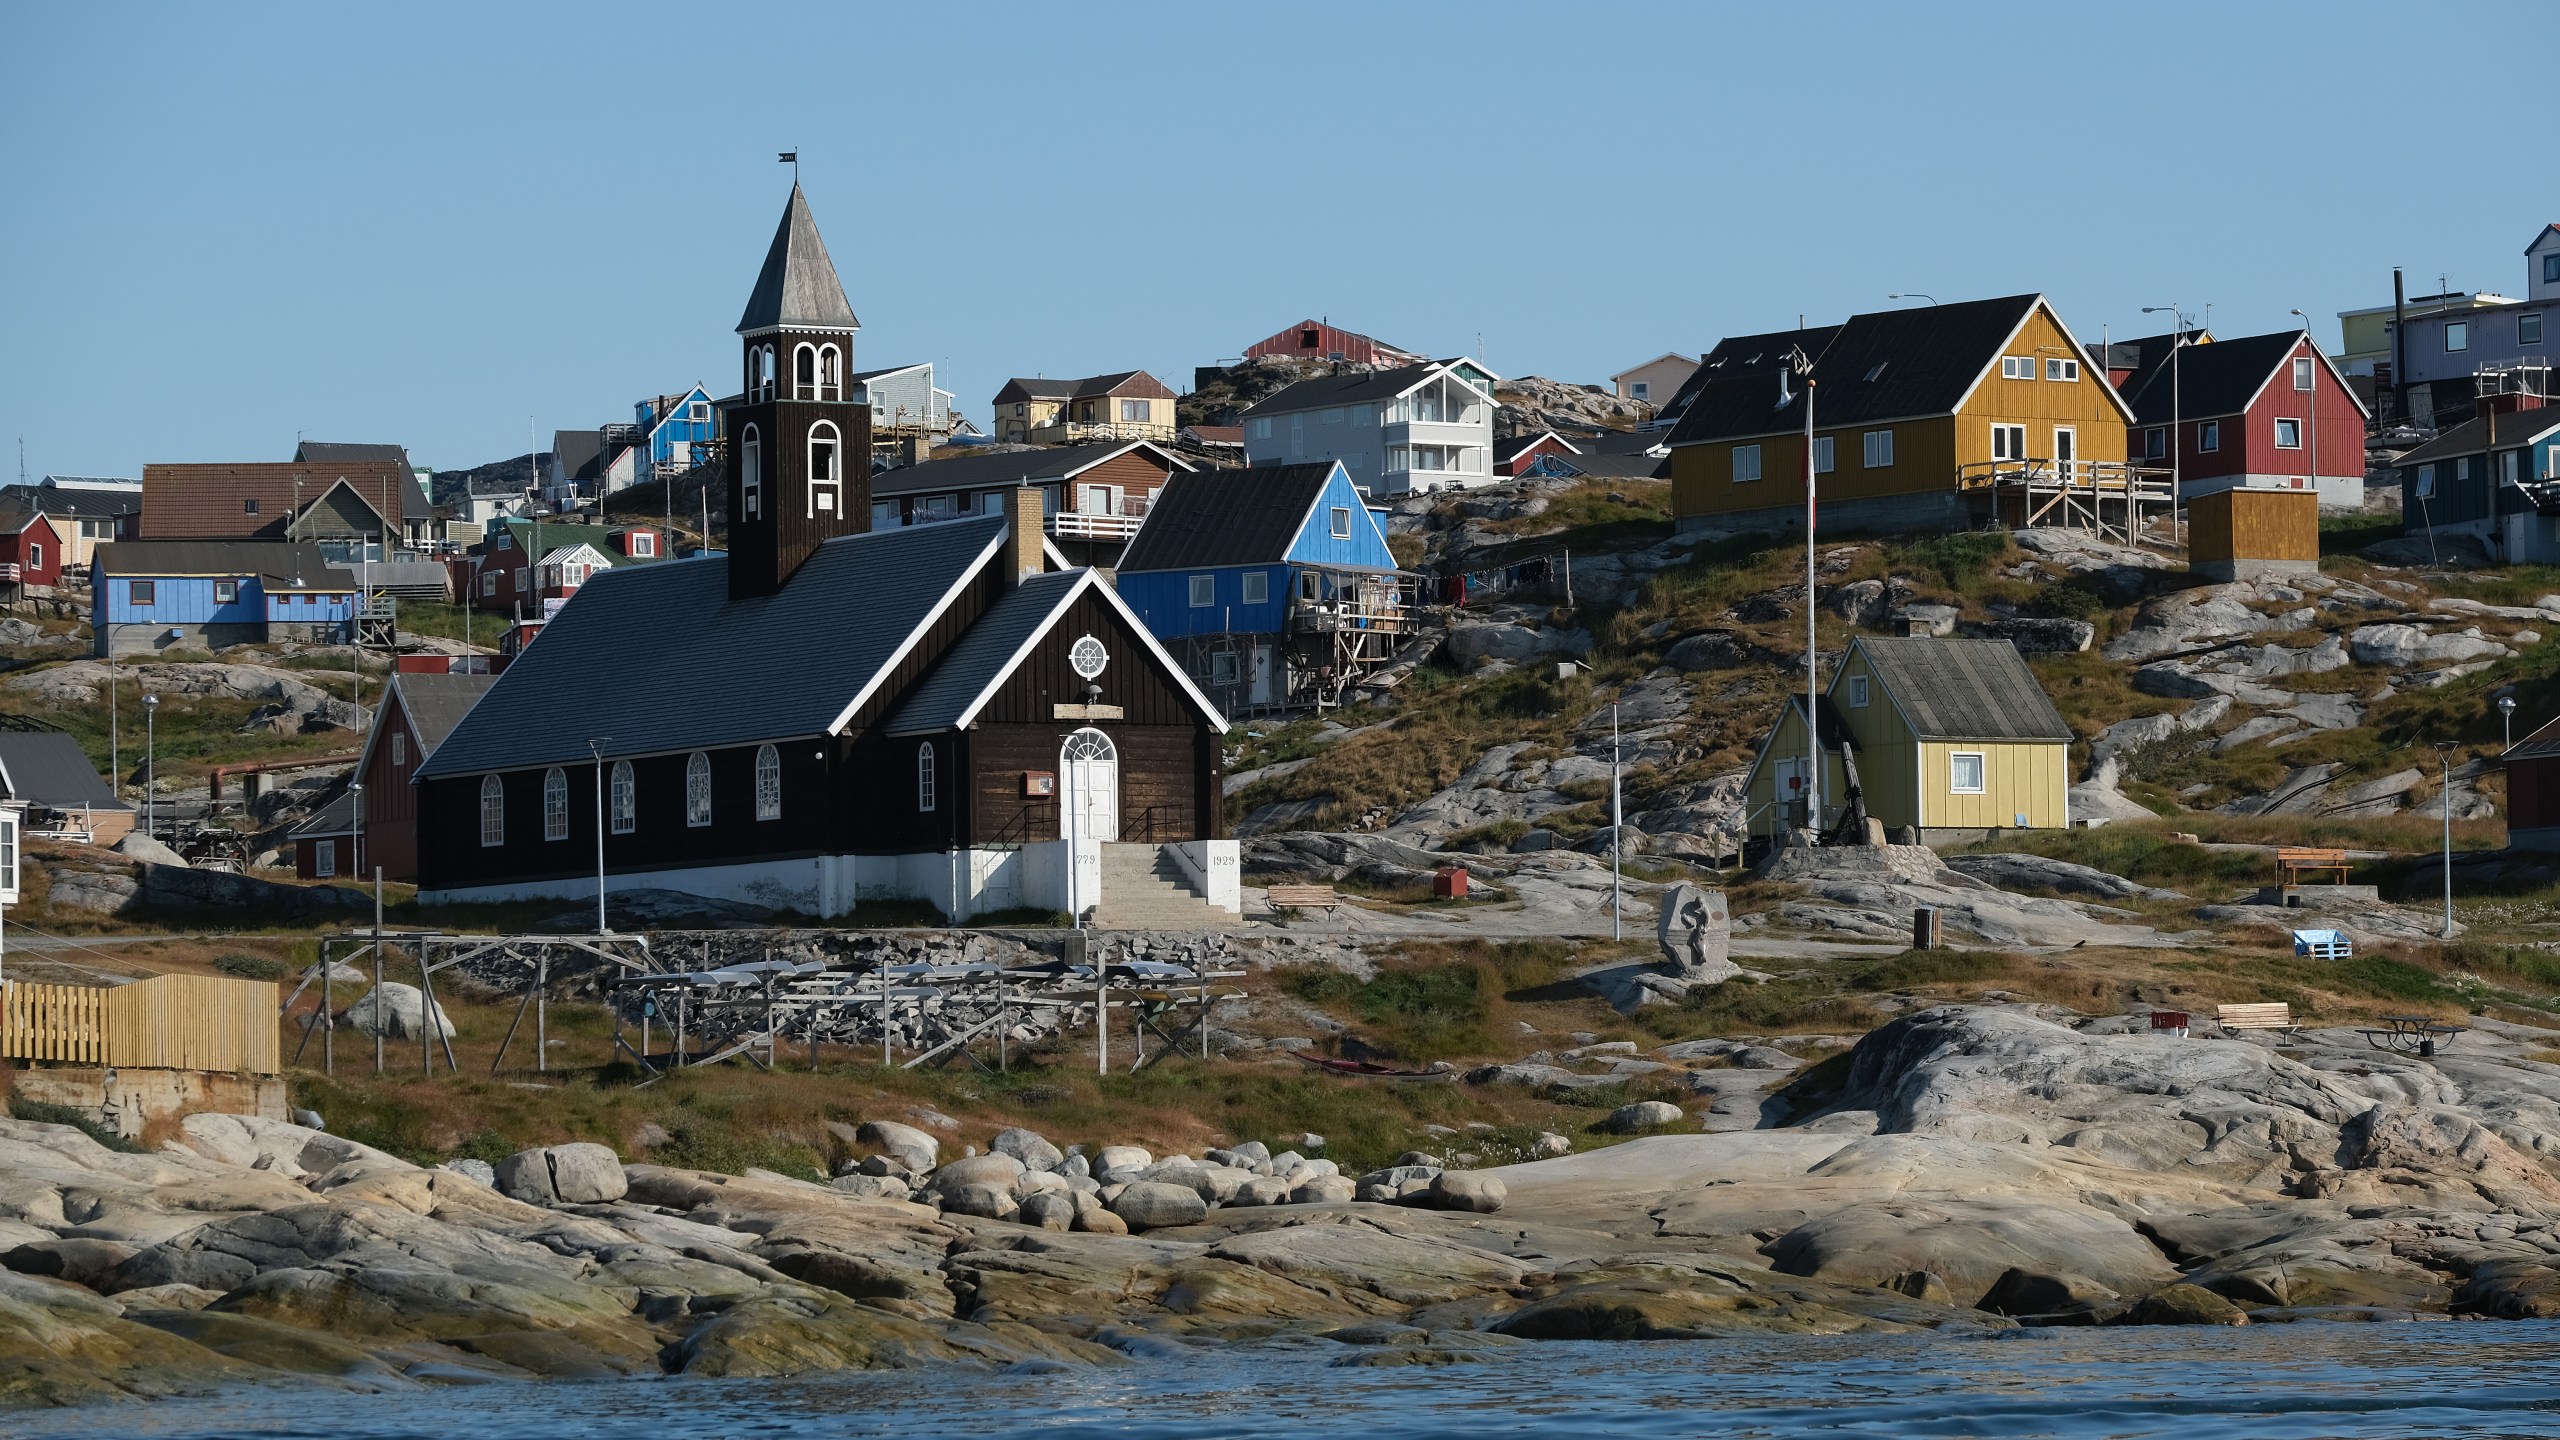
{"x": 224, "y": 226}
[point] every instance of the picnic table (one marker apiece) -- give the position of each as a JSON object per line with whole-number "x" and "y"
{"x": 2412, "y": 1034}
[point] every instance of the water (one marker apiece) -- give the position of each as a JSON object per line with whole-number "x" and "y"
{"x": 2269, "y": 1382}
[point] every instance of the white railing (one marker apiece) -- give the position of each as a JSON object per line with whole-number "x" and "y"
{"x": 1077, "y": 525}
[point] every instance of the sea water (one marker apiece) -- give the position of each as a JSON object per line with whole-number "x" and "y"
{"x": 2320, "y": 1381}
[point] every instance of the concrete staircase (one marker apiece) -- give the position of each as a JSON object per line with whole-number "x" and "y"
{"x": 1143, "y": 889}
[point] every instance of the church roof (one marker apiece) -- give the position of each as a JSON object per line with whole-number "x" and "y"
{"x": 798, "y": 286}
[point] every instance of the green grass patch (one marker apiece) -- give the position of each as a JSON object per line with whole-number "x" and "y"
{"x": 36, "y": 1112}
{"x": 1914, "y": 968}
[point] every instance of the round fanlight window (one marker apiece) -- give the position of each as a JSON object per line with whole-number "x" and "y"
{"x": 1088, "y": 657}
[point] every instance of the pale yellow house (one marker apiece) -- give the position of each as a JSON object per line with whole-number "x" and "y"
{"x": 1129, "y": 405}
{"x": 1655, "y": 381}
{"x": 1951, "y": 738}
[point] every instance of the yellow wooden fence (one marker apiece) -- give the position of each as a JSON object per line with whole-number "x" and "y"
{"x": 178, "y": 1022}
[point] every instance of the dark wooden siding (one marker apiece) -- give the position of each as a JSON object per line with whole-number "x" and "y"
{"x": 2533, "y": 793}
{"x": 390, "y": 838}
{"x": 765, "y": 549}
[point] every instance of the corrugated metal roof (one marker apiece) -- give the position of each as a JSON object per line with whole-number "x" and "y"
{"x": 1346, "y": 389}
{"x": 211, "y": 502}
{"x": 413, "y": 496}
{"x": 146, "y": 559}
{"x": 2504, "y": 430}
{"x": 437, "y": 703}
{"x": 658, "y": 658}
{"x": 1006, "y": 468}
{"x": 2540, "y": 745}
{"x": 982, "y": 656}
{"x": 1953, "y": 689}
{"x": 84, "y": 504}
{"x": 2206, "y": 381}
{"x": 330, "y": 821}
{"x": 47, "y": 767}
{"x": 1211, "y": 518}
{"x": 1887, "y": 365}
{"x": 798, "y": 285}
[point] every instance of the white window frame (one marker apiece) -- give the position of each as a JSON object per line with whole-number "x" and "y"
{"x": 698, "y": 412}
{"x": 2283, "y": 421}
{"x": 2017, "y": 367}
{"x": 1858, "y": 695}
{"x": 2427, "y": 481}
{"x": 493, "y": 812}
{"x": 823, "y": 436}
{"x": 35, "y": 554}
{"x": 488, "y": 582}
{"x": 2457, "y": 329}
{"x": 928, "y": 783}
{"x": 555, "y": 804}
{"x": 643, "y": 544}
{"x": 1257, "y": 587}
{"x": 2062, "y": 370}
{"x": 226, "y": 592}
{"x": 2534, "y": 319}
{"x": 2008, "y": 442}
{"x": 1204, "y": 591}
{"x": 1746, "y": 464}
{"x": 2208, "y": 437}
{"x": 2303, "y": 376}
{"x": 750, "y": 476}
{"x": 1879, "y": 448}
{"x": 1823, "y": 452}
{"x": 324, "y": 859}
{"x": 830, "y": 373}
{"x": 1339, "y": 522}
{"x": 697, "y": 790}
{"x": 768, "y": 783}
{"x": 399, "y": 749}
{"x": 1981, "y": 772}
{"x": 626, "y": 799}
{"x": 808, "y": 390}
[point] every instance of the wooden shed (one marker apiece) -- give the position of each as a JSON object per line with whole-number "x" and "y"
{"x": 2241, "y": 533}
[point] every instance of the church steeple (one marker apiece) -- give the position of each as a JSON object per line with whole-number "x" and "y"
{"x": 800, "y": 442}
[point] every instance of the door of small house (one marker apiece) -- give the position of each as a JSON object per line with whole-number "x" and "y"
{"x": 1095, "y": 500}
{"x": 2066, "y": 452}
{"x": 1788, "y": 775}
{"x": 1089, "y": 767}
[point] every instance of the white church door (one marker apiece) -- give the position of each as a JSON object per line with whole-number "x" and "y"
{"x": 1089, "y": 769}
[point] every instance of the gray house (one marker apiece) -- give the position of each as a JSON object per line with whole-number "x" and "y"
{"x": 904, "y": 401}
{"x": 1416, "y": 427}
{"x": 2451, "y": 357}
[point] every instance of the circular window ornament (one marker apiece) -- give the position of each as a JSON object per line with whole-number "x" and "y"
{"x": 1087, "y": 657}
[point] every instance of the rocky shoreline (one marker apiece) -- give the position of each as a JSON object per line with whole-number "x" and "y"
{"x": 1965, "y": 1168}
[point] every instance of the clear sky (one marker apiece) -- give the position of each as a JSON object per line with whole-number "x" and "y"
{"x": 221, "y": 226}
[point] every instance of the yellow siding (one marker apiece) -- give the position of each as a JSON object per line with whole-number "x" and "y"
{"x": 2029, "y": 778}
{"x": 1763, "y": 792}
{"x": 2040, "y": 405}
{"x": 2244, "y": 524}
{"x": 1885, "y": 746}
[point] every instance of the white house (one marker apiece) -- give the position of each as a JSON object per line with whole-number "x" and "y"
{"x": 1416, "y": 427}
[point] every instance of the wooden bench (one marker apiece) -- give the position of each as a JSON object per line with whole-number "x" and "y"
{"x": 1302, "y": 897}
{"x": 2294, "y": 861}
{"x": 2277, "y": 1017}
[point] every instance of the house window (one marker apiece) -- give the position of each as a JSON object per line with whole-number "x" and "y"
{"x": 2510, "y": 467}
{"x": 823, "y": 476}
{"x": 1223, "y": 668}
{"x": 1857, "y": 692}
{"x": 699, "y": 412}
{"x": 1822, "y": 450}
{"x": 324, "y": 859}
{"x": 644, "y": 543}
{"x": 2529, "y": 327}
{"x": 2457, "y": 335}
{"x": 521, "y": 573}
{"x": 226, "y": 592}
{"x": 555, "y": 804}
{"x": 35, "y": 555}
{"x": 2302, "y": 372}
{"x": 2426, "y": 482}
{"x": 493, "y": 811}
{"x": 830, "y": 374}
{"x": 399, "y": 749}
{"x": 2551, "y": 268}
{"x": 249, "y": 506}
{"x": 1341, "y": 519}
{"x": 804, "y": 373}
{"x": 925, "y": 796}
{"x": 1964, "y": 772}
{"x": 1204, "y": 591}
{"x": 1640, "y": 390}
{"x": 2017, "y": 367}
{"x": 2009, "y": 442}
{"x": 142, "y": 592}
{"x": 1257, "y": 587}
{"x": 2059, "y": 369}
{"x": 2288, "y": 433}
{"x": 2209, "y": 436}
{"x": 750, "y": 477}
{"x": 2155, "y": 442}
{"x": 626, "y": 800}
{"x": 1879, "y": 449}
{"x": 489, "y": 584}
{"x": 1746, "y": 463}
{"x": 1135, "y": 410}
{"x": 697, "y": 790}
{"x": 768, "y": 783}
{"x": 764, "y": 372}
{"x": 1259, "y": 429}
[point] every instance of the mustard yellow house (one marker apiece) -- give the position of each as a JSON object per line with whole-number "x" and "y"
{"x": 1951, "y": 738}
{"x": 1913, "y": 409}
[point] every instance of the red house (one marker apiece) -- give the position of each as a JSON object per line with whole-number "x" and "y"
{"x": 2266, "y": 411}
{"x": 417, "y": 712}
{"x": 522, "y": 563}
{"x": 30, "y": 551}
{"x": 1514, "y": 456}
{"x": 1315, "y": 340}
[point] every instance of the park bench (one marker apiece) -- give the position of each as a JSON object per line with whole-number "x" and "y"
{"x": 1302, "y": 897}
{"x": 2277, "y": 1017}
{"x": 2295, "y": 861}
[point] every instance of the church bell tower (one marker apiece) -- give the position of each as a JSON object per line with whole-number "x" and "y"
{"x": 799, "y": 443}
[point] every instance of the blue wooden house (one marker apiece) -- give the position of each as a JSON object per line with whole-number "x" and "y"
{"x": 2494, "y": 478}
{"x": 154, "y": 595}
{"x": 673, "y": 428}
{"x": 1273, "y": 586}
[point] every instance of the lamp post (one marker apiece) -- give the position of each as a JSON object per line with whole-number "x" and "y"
{"x": 1913, "y": 295}
{"x": 2177, "y": 442}
{"x": 355, "y": 834}
{"x": 1617, "y": 821}
{"x": 150, "y": 762}
{"x": 2314, "y": 422}
{"x": 1800, "y": 365}
{"x": 595, "y": 747}
{"x": 2444, "y": 755}
{"x": 2507, "y": 713}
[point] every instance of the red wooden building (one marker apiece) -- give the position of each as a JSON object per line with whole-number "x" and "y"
{"x": 30, "y": 552}
{"x": 416, "y": 713}
{"x": 1316, "y": 340}
{"x": 2257, "y": 410}
{"x": 1515, "y": 454}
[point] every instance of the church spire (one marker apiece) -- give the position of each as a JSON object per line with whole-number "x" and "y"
{"x": 798, "y": 286}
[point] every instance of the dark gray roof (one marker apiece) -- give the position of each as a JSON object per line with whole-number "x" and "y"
{"x": 1003, "y": 468}
{"x": 580, "y": 453}
{"x": 654, "y": 659}
{"x": 1606, "y": 466}
{"x": 2542, "y": 744}
{"x": 336, "y": 818}
{"x": 1508, "y": 446}
{"x": 1888, "y": 365}
{"x": 2502, "y": 431}
{"x": 437, "y": 703}
{"x": 1964, "y": 689}
{"x": 48, "y": 767}
{"x": 1226, "y": 517}
{"x": 2207, "y": 380}
{"x": 413, "y": 496}
{"x": 798, "y": 285}
{"x": 266, "y": 558}
{"x": 1347, "y": 388}
{"x": 85, "y": 504}
{"x": 982, "y": 655}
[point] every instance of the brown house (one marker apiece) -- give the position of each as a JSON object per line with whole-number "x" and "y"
{"x": 416, "y": 713}
{"x": 264, "y": 501}
{"x": 1094, "y": 497}
{"x": 1129, "y": 405}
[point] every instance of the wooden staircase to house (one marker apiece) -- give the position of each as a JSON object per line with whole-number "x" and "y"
{"x": 1143, "y": 889}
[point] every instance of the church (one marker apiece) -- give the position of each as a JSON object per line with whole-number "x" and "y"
{"x": 825, "y": 715}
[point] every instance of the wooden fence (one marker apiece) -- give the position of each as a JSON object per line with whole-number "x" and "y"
{"x": 176, "y": 1022}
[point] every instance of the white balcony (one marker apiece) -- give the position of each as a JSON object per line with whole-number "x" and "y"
{"x": 1076, "y": 526}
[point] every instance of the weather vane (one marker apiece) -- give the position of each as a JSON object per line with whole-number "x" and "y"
{"x": 792, "y": 159}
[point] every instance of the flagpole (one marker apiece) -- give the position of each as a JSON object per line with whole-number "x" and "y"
{"x": 1803, "y": 365}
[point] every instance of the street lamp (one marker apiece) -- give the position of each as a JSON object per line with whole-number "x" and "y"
{"x": 2507, "y": 712}
{"x": 150, "y": 761}
{"x": 2177, "y": 443}
{"x": 2314, "y": 347}
{"x": 595, "y": 748}
{"x": 1913, "y": 295}
{"x": 355, "y": 832}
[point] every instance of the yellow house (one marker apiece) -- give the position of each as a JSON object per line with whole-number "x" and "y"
{"x": 1129, "y": 405}
{"x": 1951, "y": 738}
{"x": 1912, "y": 409}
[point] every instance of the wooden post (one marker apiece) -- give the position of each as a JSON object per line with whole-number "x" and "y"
{"x": 884, "y": 1009}
{"x": 379, "y": 1029}
{"x": 328, "y": 1021}
{"x": 1924, "y": 928}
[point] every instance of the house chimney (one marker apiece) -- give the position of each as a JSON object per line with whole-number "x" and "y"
{"x": 1023, "y": 517}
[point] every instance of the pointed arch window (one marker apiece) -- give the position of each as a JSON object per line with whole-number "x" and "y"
{"x": 830, "y": 373}
{"x": 626, "y": 799}
{"x": 826, "y": 474}
{"x": 768, "y": 783}
{"x": 493, "y": 810}
{"x": 925, "y": 796}
{"x": 804, "y": 372}
{"x": 751, "y": 473}
{"x": 555, "y": 804}
{"x": 697, "y": 789}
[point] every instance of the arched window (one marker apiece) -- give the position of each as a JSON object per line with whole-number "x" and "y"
{"x": 555, "y": 804}
{"x": 697, "y": 789}
{"x": 493, "y": 810}
{"x": 830, "y": 373}
{"x": 924, "y": 776}
{"x": 825, "y": 476}
{"x": 766, "y": 372}
{"x": 750, "y": 473}
{"x": 768, "y": 783}
{"x": 626, "y": 799}
{"x": 804, "y": 372}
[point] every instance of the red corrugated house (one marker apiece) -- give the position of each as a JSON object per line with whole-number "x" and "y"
{"x": 1315, "y": 340}
{"x": 30, "y": 551}
{"x": 2256, "y": 411}
{"x": 381, "y": 827}
{"x": 524, "y": 562}
{"x": 1515, "y": 454}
